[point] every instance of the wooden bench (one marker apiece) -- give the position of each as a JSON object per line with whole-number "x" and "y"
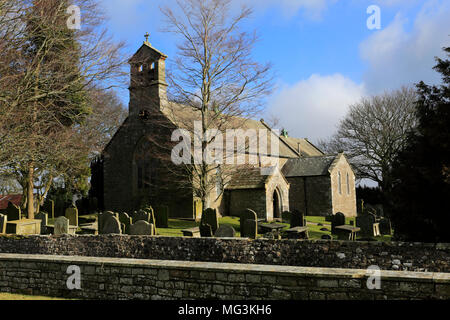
{"x": 192, "y": 232}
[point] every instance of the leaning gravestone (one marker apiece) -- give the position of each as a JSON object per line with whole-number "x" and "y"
{"x": 3, "y": 221}
{"x": 365, "y": 222}
{"x": 111, "y": 226}
{"x": 44, "y": 221}
{"x": 225, "y": 231}
{"x": 209, "y": 216}
{"x": 141, "y": 228}
{"x": 385, "y": 226}
{"x": 72, "y": 215}
{"x": 61, "y": 226}
{"x": 248, "y": 214}
{"x": 13, "y": 212}
{"x": 337, "y": 220}
{"x": 286, "y": 216}
{"x": 250, "y": 229}
{"x": 206, "y": 230}
{"x": 297, "y": 219}
{"x": 162, "y": 217}
{"x": 126, "y": 221}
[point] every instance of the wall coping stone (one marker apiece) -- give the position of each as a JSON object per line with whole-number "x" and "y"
{"x": 308, "y": 272}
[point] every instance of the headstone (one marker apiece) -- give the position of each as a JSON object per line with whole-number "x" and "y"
{"x": 102, "y": 217}
{"x": 126, "y": 221}
{"x": 297, "y": 219}
{"x": 225, "y": 231}
{"x": 248, "y": 214}
{"x": 93, "y": 205}
{"x": 286, "y": 216}
{"x": 13, "y": 212}
{"x": 209, "y": 216}
{"x": 250, "y": 229}
{"x": 49, "y": 207}
{"x": 72, "y": 215}
{"x": 61, "y": 226}
{"x": 3, "y": 222}
{"x": 205, "y": 230}
{"x": 385, "y": 226}
{"x": 337, "y": 220}
{"x": 162, "y": 217}
{"x": 141, "y": 215}
{"x": 365, "y": 222}
{"x": 141, "y": 228}
{"x": 111, "y": 226}
{"x": 44, "y": 221}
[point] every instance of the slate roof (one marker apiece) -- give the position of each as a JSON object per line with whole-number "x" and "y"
{"x": 309, "y": 166}
{"x": 247, "y": 178}
{"x": 15, "y": 199}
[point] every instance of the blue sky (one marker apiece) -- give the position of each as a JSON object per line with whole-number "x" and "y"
{"x": 324, "y": 56}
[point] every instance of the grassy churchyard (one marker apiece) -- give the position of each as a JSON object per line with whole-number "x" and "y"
{"x": 315, "y": 232}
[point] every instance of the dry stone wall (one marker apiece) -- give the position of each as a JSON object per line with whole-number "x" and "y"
{"x": 419, "y": 257}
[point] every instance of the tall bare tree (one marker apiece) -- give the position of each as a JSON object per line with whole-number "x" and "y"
{"x": 48, "y": 74}
{"x": 374, "y": 131}
{"x": 215, "y": 76}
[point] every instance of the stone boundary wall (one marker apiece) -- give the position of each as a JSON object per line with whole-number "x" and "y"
{"x": 419, "y": 257}
{"x": 114, "y": 278}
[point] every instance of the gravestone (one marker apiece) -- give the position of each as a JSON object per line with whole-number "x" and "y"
{"x": 297, "y": 219}
{"x": 209, "y": 216}
{"x": 225, "y": 231}
{"x": 162, "y": 217}
{"x": 126, "y": 221}
{"x": 385, "y": 226}
{"x": 286, "y": 216}
{"x": 365, "y": 222}
{"x": 49, "y": 207}
{"x": 111, "y": 225}
{"x": 250, "y": 229}
{"x": 13, "y": 212}
{"x": 248, "y": 214}
{"x": 61, "y": 226}
{"x": 141, "y": 228}
{"x": 72, "y": 215}
{"x": 205, "y": 230}
{"x": 141, "y": 215}
{"x": 44, "y": 221}
{"x": 3, "y": 222}
{"x": 102, "y": 217}
{"x": 337, "y": 220}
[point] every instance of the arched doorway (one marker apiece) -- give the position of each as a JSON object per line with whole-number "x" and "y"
{"x": 276, "y": 199}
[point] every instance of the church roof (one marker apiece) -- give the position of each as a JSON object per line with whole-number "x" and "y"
{"x": 309, "y": 166}
{"x": 184, "y": 116}
{"x": 247, "y": 178}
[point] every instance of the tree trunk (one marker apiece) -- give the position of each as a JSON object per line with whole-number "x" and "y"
{"x": 30, "y": 189}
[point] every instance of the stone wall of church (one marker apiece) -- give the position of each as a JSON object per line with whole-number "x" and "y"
{"x": 317, "y": 200}
{"x": 254, "y": 199}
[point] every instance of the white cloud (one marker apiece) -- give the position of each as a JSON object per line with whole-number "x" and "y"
{"x": 398, "y": 57}
{"x": 312, "y": 107}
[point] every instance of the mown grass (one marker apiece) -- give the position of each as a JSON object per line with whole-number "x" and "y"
{"x": 11, "y": 296}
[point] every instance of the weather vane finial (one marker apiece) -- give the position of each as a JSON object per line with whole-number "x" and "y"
{"x": 146, "y": 36}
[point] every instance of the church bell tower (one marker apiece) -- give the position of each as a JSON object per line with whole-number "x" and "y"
{"x": 148, "y": 87}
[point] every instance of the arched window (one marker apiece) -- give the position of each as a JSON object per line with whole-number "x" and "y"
{"x": 145, "y": 168}
{"x": 348, "y": 183}
{"x": 339, "y": 182}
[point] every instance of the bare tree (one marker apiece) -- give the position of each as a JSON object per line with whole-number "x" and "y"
{"x": 373, "y": 132}
{"x": 215, "y": 77}
{"x": 48, "y": 73}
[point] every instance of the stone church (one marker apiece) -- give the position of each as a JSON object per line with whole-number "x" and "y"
{"x": 304, "y": 177}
